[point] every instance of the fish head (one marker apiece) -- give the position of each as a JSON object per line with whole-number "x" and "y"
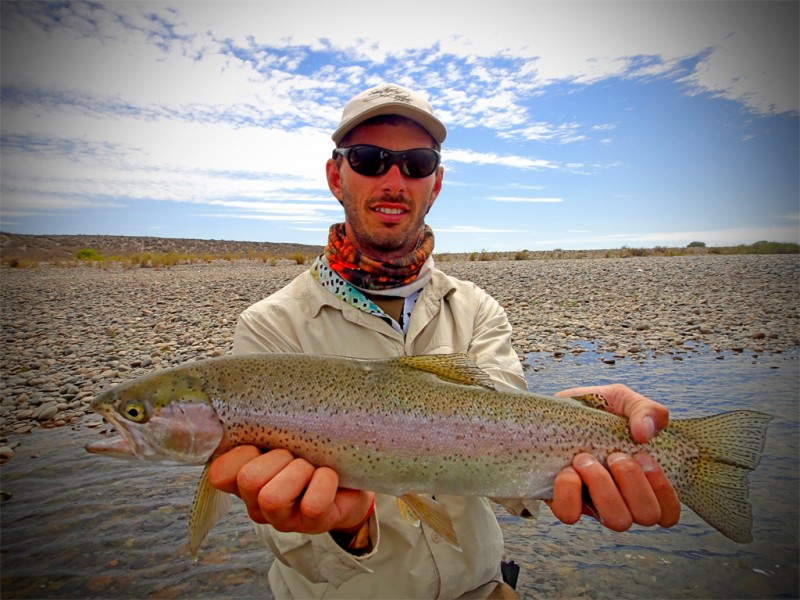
{"x": 165, "y": 417}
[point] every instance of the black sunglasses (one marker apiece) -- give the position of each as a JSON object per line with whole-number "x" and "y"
{"x": 374, "y": 160}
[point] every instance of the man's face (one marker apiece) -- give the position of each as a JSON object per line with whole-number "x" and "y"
{"x": 384, "y": 215}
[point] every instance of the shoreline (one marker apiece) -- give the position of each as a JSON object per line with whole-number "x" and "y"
{"x": 67, "y": 334}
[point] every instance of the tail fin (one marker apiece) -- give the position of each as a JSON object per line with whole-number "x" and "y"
{"x": 730, "y": 447}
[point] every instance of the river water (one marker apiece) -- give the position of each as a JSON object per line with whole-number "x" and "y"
{"x": 76, "y": 525}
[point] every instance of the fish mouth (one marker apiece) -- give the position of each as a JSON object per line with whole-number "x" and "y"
{"x": 119, "y": 446}
{"x": 116, "y": 446}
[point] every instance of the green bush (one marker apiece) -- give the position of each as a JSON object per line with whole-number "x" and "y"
{"x": 764, "y": 247}
{"x": 88, "y": 254}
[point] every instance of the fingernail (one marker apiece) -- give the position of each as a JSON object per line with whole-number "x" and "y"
{"x": 583, "y": 461}
{"x": 649, "y": 426}
{"x": 644, "y": 461}
{"x": 615, "y": 457}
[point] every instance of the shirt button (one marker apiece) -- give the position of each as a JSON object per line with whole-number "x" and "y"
{"x": 436, "y": 538}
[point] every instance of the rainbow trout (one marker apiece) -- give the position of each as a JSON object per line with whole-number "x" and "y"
{"x": 412, "y": 427}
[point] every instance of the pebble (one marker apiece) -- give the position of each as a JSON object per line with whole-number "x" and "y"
{"x": 46, "y": 412}
{"x": 68, "y": 334}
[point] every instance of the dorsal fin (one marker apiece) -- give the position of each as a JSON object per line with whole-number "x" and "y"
{"x": 455, "y": 368}
{"x": 595, "y": 401}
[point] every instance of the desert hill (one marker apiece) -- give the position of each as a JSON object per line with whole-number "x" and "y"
{"x": 64, "y": 247}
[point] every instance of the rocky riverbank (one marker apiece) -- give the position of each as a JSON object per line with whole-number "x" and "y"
{"x": 69, "y": 333}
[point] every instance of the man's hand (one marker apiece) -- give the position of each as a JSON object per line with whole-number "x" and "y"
{"x": 632, "y": 489}
{"x": 289, "y": 493}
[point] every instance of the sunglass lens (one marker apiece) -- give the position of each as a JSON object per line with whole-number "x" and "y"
{"x": 420, "y": 162}
{"x": 367, "y": 160}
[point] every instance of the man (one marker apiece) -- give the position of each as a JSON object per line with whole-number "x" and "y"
{"x": 376, "y": 293}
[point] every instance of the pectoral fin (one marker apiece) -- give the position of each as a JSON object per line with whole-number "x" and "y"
{"x": 416, "y": 508}
{"x": 405, "y": 510}
{"x": 208, "y": 507}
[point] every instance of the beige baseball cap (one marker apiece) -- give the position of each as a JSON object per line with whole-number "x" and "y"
{"x": 389, "y": 99}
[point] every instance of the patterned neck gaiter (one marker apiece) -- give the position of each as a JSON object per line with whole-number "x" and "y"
{"x": 374, "y": 275}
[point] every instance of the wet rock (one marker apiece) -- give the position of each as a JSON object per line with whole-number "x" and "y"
{"x": 69, "y": 390}
{"x": 46, "y": 411}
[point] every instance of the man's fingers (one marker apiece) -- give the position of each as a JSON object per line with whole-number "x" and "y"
{"x": 662, "y": 488}
{"x": 278, "y": 498}
{"x": 255, "y": 474}
{"x": 635, "y": 488}
{"x": 223, "y": 471}
{"x": 352, "y": 507}
{"x": 605, "y": 496}
{"x": 646, "y": 417}
{"x": 320, "y": 494}
{"x": 288, "y": 492}
{"x": 567, "y": 503}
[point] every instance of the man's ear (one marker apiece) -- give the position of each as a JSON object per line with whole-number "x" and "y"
{"x": 334, "y": 179}
{"x": 437, "y": 187}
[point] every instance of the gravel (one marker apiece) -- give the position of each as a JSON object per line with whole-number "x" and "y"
{"x": 68, "y": 333}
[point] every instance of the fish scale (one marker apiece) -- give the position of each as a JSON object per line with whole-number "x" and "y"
{"x": 414, "y": 427}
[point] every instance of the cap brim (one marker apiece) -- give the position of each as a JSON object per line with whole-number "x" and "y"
{"x": 425, "y": 120}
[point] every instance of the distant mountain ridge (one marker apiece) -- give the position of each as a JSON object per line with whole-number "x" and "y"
{"x": 64, "y": 247}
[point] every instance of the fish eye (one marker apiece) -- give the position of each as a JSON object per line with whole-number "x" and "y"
{"x": 134, "y": 411}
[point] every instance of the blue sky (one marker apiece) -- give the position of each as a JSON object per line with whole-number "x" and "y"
{"x": 570, "y": 124}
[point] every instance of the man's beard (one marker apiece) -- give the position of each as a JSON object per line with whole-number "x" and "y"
{"x": 388, "y": 239}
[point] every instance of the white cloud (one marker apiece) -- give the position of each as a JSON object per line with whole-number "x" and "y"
{"x": 291, "y": 208}
{"x": 280, "y": 218}
{"x": 523, "y": 199}
{"x": 135, "y": 50}
{"x": 471, "y": 229}
{"x": 712, "y": 237}
{"x": 757, "y": 62}
{"x": 72, "y": 158}
{"x": 522, "y": 186}
{"x": 543, "y": 132}
{"x": 30, "y": 203}
{"x": 491, "y": 158}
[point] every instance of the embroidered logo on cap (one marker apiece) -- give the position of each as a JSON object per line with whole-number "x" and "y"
{"x": 393, "y": 93}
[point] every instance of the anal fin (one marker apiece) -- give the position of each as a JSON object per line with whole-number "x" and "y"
{"x": 527, "y": 508}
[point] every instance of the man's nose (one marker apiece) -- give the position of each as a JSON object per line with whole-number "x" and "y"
{"x": 393, "y": 180}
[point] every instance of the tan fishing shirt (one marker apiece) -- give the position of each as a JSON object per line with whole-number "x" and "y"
{"x": 406, "y": 561}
